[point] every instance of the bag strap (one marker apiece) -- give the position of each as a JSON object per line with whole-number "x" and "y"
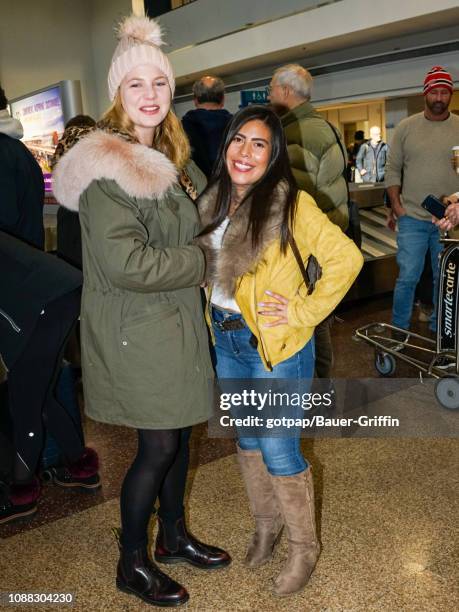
{"x": 299, "y": 261}
{"x": 341, "y": 148}
{"x": 340, "y": 144}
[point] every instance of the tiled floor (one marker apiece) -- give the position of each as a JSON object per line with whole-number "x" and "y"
{"x": 389, "y": 543}
{"x": 387, "y": 511}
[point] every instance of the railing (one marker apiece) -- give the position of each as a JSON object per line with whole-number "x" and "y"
{"x": 155, "y": 8}
{"x": 178, "y": 3}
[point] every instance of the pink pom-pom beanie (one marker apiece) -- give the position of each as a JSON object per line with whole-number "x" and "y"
{"x": 140, "y": 39}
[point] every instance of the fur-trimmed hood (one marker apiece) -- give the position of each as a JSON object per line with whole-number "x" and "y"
{"x": 140, "y": 171}
{"x": 237, "y": 255}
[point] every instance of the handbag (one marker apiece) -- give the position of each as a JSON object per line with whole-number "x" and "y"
{"x": 311, "y": 274}
{"x": 312, "y": 271}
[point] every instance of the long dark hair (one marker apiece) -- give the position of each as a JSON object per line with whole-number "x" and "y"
{"x": 261, "y": 193}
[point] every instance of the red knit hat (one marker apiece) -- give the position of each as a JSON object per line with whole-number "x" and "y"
{"x": 437, "y": 77}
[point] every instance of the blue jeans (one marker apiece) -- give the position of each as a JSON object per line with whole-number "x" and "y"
{"x": 414, "y": 238}
{"x": 236, "y": 358}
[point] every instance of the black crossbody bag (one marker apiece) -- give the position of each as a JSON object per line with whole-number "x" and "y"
{"x": 312, "y": 272}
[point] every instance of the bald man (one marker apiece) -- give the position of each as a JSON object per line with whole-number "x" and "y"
{"x": 206, "y": 123}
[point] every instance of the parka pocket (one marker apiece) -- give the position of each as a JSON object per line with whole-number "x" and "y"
{"x": 151, "y": 355}
{"x": 149, "y": 317}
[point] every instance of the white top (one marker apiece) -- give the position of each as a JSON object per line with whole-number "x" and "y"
{"x": 217, "y": 297}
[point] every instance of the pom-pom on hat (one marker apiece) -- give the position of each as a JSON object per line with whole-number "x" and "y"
{"x": 437, "y": 77}
{"x": 140, "y": 39}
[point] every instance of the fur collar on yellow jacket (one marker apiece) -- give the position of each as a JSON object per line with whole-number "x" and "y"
{"x": 237, "y": 255}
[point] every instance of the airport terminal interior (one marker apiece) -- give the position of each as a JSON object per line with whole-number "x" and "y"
{"x": 386, "y": 503}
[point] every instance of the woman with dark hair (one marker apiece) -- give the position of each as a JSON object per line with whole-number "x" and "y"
{"x": 258, "y": 230}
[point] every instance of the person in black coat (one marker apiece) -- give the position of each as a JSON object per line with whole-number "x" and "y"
{"x": 21, "y": 183}
{"x": 206, "y": 124}
{"x": 39, "y": 305}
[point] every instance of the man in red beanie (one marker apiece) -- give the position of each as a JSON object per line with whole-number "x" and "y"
{"x": 420, "y": 153}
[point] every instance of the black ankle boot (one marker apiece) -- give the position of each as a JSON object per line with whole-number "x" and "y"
{"x": 175, "y": 544}
{"x": 138, "y": 575}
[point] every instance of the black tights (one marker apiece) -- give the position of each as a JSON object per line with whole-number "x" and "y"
{"x": 159, "y": 470}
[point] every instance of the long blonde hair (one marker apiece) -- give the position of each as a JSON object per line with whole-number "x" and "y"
{"x": 169, "y": 138}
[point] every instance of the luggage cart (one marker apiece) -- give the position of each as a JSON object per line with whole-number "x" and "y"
{"x": 436, "y": 358}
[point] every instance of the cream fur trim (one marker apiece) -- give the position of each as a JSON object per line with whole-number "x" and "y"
{"x": 139, "y": 171}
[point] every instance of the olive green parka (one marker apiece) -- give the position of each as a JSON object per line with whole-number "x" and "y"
{"x": 145, "y": 354}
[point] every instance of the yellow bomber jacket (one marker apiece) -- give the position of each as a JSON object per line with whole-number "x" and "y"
{"x": 247, "y": 275}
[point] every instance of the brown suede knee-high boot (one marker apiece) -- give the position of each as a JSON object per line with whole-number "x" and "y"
{"x": 296, "y": 499}
{"x": 264, "y": 507}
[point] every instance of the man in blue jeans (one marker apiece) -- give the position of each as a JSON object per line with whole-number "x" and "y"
{"x": 419, "y": 164}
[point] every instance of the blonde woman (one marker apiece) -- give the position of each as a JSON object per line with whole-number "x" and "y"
{"x": 145, "y": 353}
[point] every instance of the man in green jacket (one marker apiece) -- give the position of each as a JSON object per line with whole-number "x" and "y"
{"x": 317, "y": 163}
{"x": 315, "y": 156}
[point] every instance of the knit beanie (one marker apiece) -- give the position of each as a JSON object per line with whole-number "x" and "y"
{"x": 437, "y": 77}
{"x": 139, "y": 42}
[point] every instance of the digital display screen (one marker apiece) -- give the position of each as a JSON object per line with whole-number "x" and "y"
{"x": 43, "y": 122}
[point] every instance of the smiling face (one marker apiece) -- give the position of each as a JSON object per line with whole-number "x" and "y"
{"x": 146, "y": 98}
{"x": 249, "y": 154}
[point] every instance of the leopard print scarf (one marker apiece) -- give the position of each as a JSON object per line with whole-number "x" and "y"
{"x": 73, "y": 134}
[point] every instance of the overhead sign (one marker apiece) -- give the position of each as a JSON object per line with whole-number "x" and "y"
{"x": 254, "y": 96}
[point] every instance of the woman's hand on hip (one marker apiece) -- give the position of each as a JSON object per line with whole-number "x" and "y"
{"x": 277, "y": 309}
